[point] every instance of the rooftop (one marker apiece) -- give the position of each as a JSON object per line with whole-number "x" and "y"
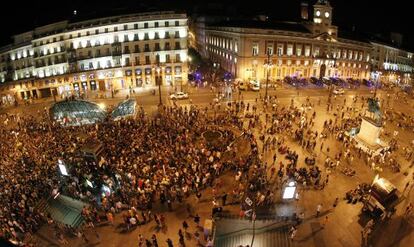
{"x": 275, "y": 25}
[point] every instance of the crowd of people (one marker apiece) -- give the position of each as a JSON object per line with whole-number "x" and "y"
{"x": 163, "y": 160}
{"x": 145, "y": 161}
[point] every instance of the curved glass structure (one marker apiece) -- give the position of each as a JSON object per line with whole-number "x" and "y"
{"x": 124, "y": 109}
{"x": 77, "y": 112}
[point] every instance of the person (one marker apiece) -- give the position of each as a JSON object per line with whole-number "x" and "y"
{"x": 408, "y": 210}
{"x": 197, "y": 220}
{"x": 335, "y": 202}
{"x": 318, "y": 209}
{"x": 140, "y": 240}
{"x": 224, "y": 198}
{"x": 325, "y": 221}
{"x": 154, "y": 240}
{"x": 406, "y": 186}
{"x": 170, "y": 243}
{"x": 292, "y": 233}
{"x": 169, "y": 204}
{"x": 110, "y": 218}
{"x": 180, "y": 234}
{"x": 301, "y": 217}
{"x": 185, "y": 226}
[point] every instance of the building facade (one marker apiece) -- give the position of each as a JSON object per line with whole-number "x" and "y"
{"x": 309, "y": 48}
{"x": 107, "y": 54}
{"x": 391, "y": 64}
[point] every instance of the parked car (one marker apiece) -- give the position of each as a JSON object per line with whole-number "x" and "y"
{"x": 342, "y": 82}
{"x": 179, "y": 95}
{"x": 316, "y": 81}
{"x": 254, "y": 85}
{"x": 338, "y": 91}
{"x": 368, "y": 83}
{"x": 326, "y": 81}
{"x": 303, "y": 82}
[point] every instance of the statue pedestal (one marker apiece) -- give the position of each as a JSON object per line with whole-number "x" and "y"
{"x": 368, "y": 136}
{"x": 369, "y": 132}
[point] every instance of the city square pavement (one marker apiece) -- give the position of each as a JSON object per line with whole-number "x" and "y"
{"x": 342, "y": 228}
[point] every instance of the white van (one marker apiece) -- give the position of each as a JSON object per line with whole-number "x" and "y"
{"x": 254, "y": 85}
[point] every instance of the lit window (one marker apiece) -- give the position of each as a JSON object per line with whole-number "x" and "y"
{"x": 269, "y": 49}
{"x": 289, "y": 50}
{"x": 255, "y": 49}
{"x": 299, "y": 51}
{"x": 280, "y": 49}
{"x": 316, "y": 52}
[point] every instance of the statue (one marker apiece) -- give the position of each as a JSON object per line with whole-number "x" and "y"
{"x": 374, "y": 108}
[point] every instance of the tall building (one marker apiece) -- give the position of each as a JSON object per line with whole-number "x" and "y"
{"x": 311, "y": 48}
{"x": 106, "y": 54}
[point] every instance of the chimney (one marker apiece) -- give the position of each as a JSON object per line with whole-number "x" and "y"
{"x": 304, "y": 11}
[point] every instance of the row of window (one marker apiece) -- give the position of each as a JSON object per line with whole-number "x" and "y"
{"x": 109, "y": 52}
{"x": 100, "y": 64}
{"x": 288, "y": 51}
{"x": 105, "y": 30}
{"x": 58, "y": 49}
{"x": 225, "y": 43}
{"x": 127, "y": 62}
{"x": 136, "y": 49}
{"x": 126, "y": 38}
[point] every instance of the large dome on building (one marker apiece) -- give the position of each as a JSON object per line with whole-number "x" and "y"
{"x": 77, "y": 112}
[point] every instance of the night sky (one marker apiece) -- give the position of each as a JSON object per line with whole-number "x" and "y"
{"x": 365, "y": 15}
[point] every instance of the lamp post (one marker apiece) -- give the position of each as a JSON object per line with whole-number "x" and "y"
{"x": 159, "y": 80}
{"x": 268, "y": 66}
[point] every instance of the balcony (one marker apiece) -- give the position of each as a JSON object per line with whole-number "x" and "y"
{"x": 84, "y": 57}
{"x": 39, "y": 65}
{"x": 103, "y": 54}
{"x": 116, "y": 53}
{"x": 116, "y": 43}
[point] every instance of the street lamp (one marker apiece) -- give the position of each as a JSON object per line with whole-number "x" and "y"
{"x": 268, "y": 66}
{"x": 159, "y": 81}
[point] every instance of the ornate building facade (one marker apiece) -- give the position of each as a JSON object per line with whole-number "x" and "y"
{"x": 107, "y": 54}
{"x": 309, "y": 48}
